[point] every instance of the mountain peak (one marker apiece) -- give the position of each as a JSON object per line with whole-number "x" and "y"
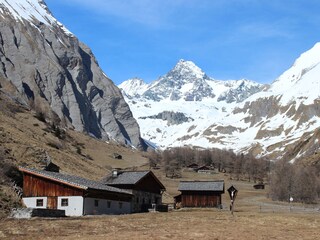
{"x": 188, "y": 82}
{"x": 133, "y": 86}
{"x": 184, "y": 67}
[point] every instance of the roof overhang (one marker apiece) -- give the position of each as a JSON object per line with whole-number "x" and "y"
{"x": 30, "y": 171}
{"x": 201, "y": 186}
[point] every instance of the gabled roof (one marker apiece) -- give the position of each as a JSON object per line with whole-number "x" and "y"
{"x": 204, "y": 167}
{"x": 193, "y": 165}
{"x": 213, "y": 186}
{"x": 129, "y": 178}
{"x": 73, "y": 181}
{"x": 126, "y": 178}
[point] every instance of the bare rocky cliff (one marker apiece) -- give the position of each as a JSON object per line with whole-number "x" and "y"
{"x": 59, "y": 76}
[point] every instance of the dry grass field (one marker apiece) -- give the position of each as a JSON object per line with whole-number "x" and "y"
{"x": 192, "y": 224}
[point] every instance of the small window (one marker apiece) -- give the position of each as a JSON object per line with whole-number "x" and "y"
{"x": 109, "y": 204}
{"x": 96, "y": 203}
{"x": 64, "y": 202}
{"x": 39, "y": 203}
{"x": 137, "y": 199}
{"x": 120, "y": 205}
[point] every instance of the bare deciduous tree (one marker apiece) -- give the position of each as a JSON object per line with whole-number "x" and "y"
{"x": 305, "y": 185}
{"x": 300, "y": 182}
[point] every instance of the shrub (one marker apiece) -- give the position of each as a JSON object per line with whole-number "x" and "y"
{"x": 56, "y": 145}
{"x": 41, "y": 116}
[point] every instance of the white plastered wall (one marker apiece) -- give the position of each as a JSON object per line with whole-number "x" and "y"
{"x": 31, "y": 202}
{"x": 113, "y": 207}
{"x": 75, "y": 205}
{"x": 78, "y": 206}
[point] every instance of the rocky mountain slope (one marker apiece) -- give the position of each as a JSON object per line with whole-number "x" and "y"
{"x": 241, "y": 115}
{"x": 48, "y": 68}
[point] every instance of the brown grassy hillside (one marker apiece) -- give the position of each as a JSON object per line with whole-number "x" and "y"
{"x": 28, "y": 140}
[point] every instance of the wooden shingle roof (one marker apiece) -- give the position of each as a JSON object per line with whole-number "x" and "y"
{"x": 72, "y": 180}
{"x": 217, "y": 186}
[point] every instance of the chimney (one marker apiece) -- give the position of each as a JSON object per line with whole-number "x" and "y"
{"x": 114, "y": 173}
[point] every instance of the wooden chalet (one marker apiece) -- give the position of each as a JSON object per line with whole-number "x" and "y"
{"x": 200, "y": 194}
{"x": 144, "y": 185}
{"x": 77, "y": 196}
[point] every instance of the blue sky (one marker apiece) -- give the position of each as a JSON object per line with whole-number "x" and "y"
{"x": 227, "y": 39}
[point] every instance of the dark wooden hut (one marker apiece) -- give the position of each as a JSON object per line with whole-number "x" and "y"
{"x": 193, "y": 166}
{"x": 200, "y": 193}
{"x": 258, "y": 186}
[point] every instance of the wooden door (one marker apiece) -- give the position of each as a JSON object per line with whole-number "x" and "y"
{"x": 52, "y": 202}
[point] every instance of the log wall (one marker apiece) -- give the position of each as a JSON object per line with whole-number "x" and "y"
{"x": 200, "y": 199}
{"x": 34, "y": 186}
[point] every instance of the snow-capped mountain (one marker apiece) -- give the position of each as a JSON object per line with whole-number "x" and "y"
{"x": 185, "y": 81}
{"x": 188, "y": 82}
{"x": 241, "y": 115}
{"x": 54, "y": 73}
{"x": 184, "y": 101}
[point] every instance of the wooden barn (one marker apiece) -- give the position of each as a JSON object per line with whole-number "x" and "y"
{"x": 77, "y": 196}
{"x": 193, "y": 166}
{"x": 200, "y": 194}
{"x": 144, "y": 185}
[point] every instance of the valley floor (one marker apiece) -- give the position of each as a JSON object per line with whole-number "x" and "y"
{"x": 191, "y": 224}
{"x": 255, "y": 217}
